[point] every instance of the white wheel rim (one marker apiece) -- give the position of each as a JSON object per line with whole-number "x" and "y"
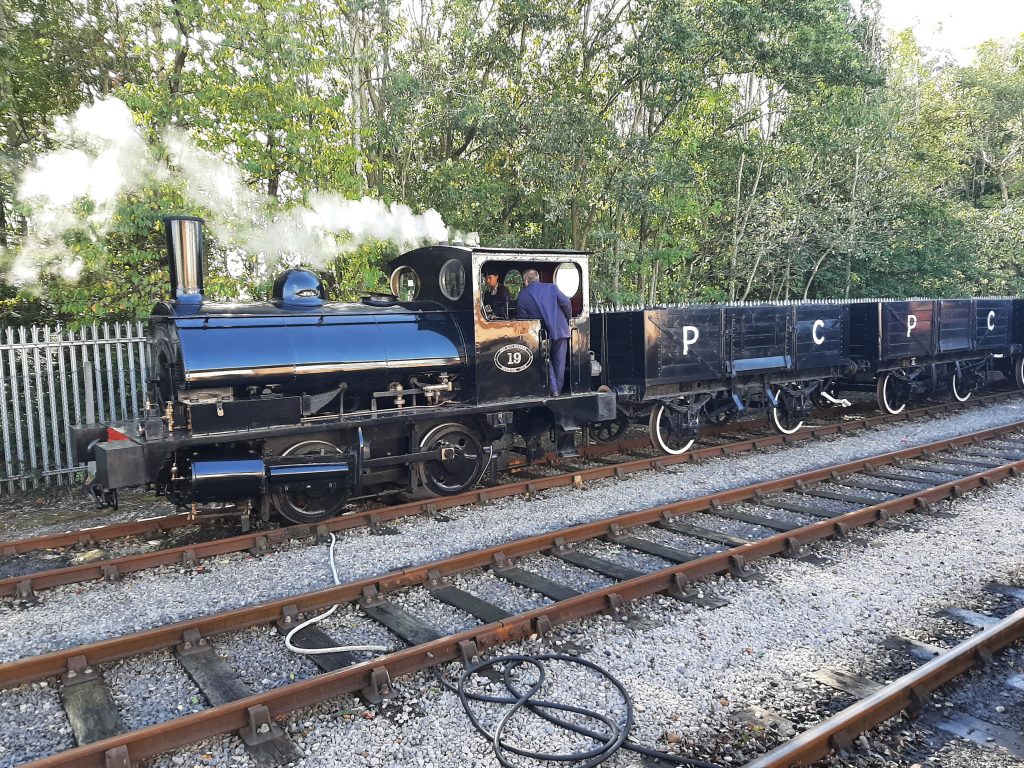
{"x": 777, "y": 421}
{"x": 660, "y": 440}
{"x": 885, "y": 397}
{"x": 956, "y": 394}
{"x": 1020, "y": 372}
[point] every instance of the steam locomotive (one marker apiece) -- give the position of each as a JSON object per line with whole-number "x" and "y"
{"x": 298, "y": 405}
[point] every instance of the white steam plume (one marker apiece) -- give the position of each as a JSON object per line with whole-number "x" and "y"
{"x": 104, "y": 156}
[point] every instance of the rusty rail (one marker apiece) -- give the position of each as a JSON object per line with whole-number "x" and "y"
{"x": 908, "y": 692}
{"x": 261, "y": 541}
{"x": 154, "y": 526}
{"x": 366, "y": 676}
{"x": 166, "y": 523}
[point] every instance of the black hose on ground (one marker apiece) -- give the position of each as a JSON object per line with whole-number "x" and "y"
{"x": 609, "y": 739}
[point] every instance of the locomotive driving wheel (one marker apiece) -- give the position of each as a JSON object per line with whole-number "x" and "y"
{"x": 309, "y": 502}
{"x": 461, "y": 462}
{"x": 671, "y": 431}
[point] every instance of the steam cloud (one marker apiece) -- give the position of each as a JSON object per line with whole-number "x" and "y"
{"x": 103, "y": 156}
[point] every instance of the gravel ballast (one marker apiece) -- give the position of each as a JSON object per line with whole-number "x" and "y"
{"x": 687, "y": 668}
{"x": 170, "y": 594}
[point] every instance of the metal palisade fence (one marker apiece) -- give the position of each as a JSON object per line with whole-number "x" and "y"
{"x": 52, "y": 379}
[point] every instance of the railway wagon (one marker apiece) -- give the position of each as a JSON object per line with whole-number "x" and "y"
{"x": 679, "y": 367}
{"x": 298, "y": 405}
{"x": 909, "y": 349}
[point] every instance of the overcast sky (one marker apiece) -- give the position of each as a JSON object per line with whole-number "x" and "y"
{"x": 957, "y": 25}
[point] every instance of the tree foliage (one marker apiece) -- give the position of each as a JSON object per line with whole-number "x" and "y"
{"x": 757, "y": 149}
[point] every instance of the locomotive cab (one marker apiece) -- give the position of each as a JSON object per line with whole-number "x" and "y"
{"x": 511, "y": 356}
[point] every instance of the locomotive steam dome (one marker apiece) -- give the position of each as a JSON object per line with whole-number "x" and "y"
{"x": 298, "y": 288}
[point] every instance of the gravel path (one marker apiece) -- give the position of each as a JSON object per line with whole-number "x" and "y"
{"x": 688, "y": 669}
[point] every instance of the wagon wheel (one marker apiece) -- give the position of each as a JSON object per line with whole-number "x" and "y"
{"x": 783, "y": 417}
{"x": 1018, "y": 371}
{"x": 461, "y": 463}
{"x": 611, "y": 430}
{"x": 664, "y": 435}
{"x": 893, "y": 393}
{"x": 818, "y": 399}
{"x": 310, "y": 502}
{"x": 960, "y": 386}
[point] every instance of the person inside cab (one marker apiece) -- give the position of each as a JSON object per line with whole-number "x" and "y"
{"x": 545, "y": 302}
{"x": 497, "y": 296}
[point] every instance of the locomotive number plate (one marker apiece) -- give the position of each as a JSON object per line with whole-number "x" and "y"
{"x": 513, "y": 358}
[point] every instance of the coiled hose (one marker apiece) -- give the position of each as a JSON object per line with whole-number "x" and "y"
{"x": 609, "y": 738}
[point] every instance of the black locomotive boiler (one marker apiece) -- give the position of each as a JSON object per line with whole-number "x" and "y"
{"x": 298, "y": 405}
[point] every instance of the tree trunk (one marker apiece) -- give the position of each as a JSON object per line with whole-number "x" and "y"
{"x": 574, "y": 222}
{"x": 817, "y": 266}
{"x": 616, "y": 264}
{"x": 654, "y": 282}
{"x": 854, "y": 221}
{"x": 356, "y": 97}
{"x": 174, "y": 82}
{"x": 742, "y": 218}
{"x": 750, "y": 277}
{"x": 3, "y": 220}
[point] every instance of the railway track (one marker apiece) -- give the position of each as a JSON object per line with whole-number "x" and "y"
{"x": 909, "y": 693}
{"x": 24, "y": 586}
{"x": 789, "y": 513}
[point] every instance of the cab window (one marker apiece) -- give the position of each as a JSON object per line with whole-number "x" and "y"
{"x": 405, "y": 284}
{"x": 514, "y": 282}
{"x": 495, "y": 305}
{"x": 568, "y": 280}
{"x": 452, "y": 279}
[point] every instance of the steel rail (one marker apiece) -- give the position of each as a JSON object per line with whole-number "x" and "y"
{"x": 261, "y": 541}
{"x": 378, "y": 673}
{"x": 90, "y": 536}
{"x": 56, "y": 662}
{"x": 908, "y": 692}
{"x": 39, "y": 667}
{"x": 154, "y": 526}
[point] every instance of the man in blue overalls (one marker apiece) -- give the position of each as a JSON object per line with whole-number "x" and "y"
{"x": 545, "y": 302}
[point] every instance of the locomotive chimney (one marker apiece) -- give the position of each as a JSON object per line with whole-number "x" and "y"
{"x": 185, "y": 257}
